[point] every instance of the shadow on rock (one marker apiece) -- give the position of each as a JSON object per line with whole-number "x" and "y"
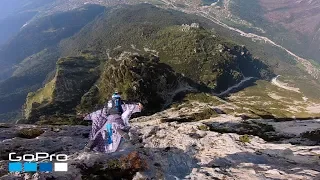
{"x": 277, "y": 160}
{"x": 157, "y": 163}
{"x": 132, "y": 163}
{"x": 256, "y": 128}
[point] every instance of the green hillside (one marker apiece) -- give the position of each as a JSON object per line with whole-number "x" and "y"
{"x": 298, "y": 42}
{"x": 74, "y": 77}
{"x": 208, "y": 57}
{"x": 193, "y": 52}
{"x": 13, "y": 24}
{"x": 151, "y": 57}
{"x": 29, "y": 58}
{"x": 46, "y": 32}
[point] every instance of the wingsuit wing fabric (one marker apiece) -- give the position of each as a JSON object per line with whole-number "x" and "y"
{"x": 99, "y": 121}
{"x": 128, "y": 110}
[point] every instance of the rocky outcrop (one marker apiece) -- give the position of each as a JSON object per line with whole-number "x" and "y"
{"x": 74, "y": 77}
{"x": 142, "y": 78}
{"x": 162, "y": 150}
{"x": 211, "y": 155}
{"x": 139, "y": 78}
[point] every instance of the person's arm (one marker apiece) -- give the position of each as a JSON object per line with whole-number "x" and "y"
{"x": 95, "y": 115}
{"x": 130, "y": 109}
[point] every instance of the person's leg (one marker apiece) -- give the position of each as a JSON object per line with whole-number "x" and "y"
{"x": 92, "y": 144}
{"x": 124, "y": 134}
{"x": 89, "y": 146}
{"x": 95, "y": 138}
{"x": 116, "y": 126}
{"x": 116, "y": 138}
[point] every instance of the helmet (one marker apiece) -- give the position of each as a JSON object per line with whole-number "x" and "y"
{"x": 114, "y": 105}
{"x": 116, "y": 95}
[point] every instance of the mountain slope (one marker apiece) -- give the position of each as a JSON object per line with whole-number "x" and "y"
{"x": 11, "y": 7}
{"x": 300, "y": 72}
{"x": 299, "y": 17}
{"x": 74, "y": 77}
{"x": 143, "y": 29}
{"x": 206, "y": 57}
{"x": 293, "y": 24}
{"x": 29, "y": 58}
{"x": 46, "y": 32}
{"x": 12, "y": 25}
{"x": 202, "y": 60}
{"x": 199, "y": 48}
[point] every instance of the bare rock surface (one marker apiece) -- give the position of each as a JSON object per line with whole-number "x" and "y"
{"x": 169, "y": 150}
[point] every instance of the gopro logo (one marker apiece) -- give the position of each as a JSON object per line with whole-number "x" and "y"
{"x": 38, "y": 156}
{"x": 31, "y": 162}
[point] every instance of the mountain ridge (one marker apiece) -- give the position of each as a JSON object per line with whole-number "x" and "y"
{"x": 99, "y": 37}
{"x": 28, "y": 62}
{"x": 226, "y": 63}
{"x": 217, "y": 104}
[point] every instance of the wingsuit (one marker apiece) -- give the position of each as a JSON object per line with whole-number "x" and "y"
{"x": 108, "y": 125}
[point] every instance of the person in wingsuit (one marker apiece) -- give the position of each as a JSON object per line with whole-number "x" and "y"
{"x": 109, "y": 124}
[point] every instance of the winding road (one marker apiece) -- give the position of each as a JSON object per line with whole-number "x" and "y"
{"x": 282, "y": 85}
{"x": 236, "y": 86}
{"x": 313, "y": 71}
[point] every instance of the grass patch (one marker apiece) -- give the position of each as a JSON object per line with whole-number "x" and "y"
{"x": 114, "y": 164}
{"x": 206, "y": 114}
{"x": 313, "y": 62}
{"x": 204, "y": 127}
{"x": 185, "y": 105}
{"x": 202, "y": 97}
{"x": 175, "y": 106}
{"x": 29, "y": 133}
{"x": 244, "y": 139}
{"x": 266, "y": 100}
{"x": 43, "y": 95}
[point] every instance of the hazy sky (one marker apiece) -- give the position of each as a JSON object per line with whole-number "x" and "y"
{"x": 9, "y": 6}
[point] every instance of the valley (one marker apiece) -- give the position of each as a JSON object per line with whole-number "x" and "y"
{"x": 209, "y": 12}
{"x": 293, "y": 69}
{"x": 230, "y": 89}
